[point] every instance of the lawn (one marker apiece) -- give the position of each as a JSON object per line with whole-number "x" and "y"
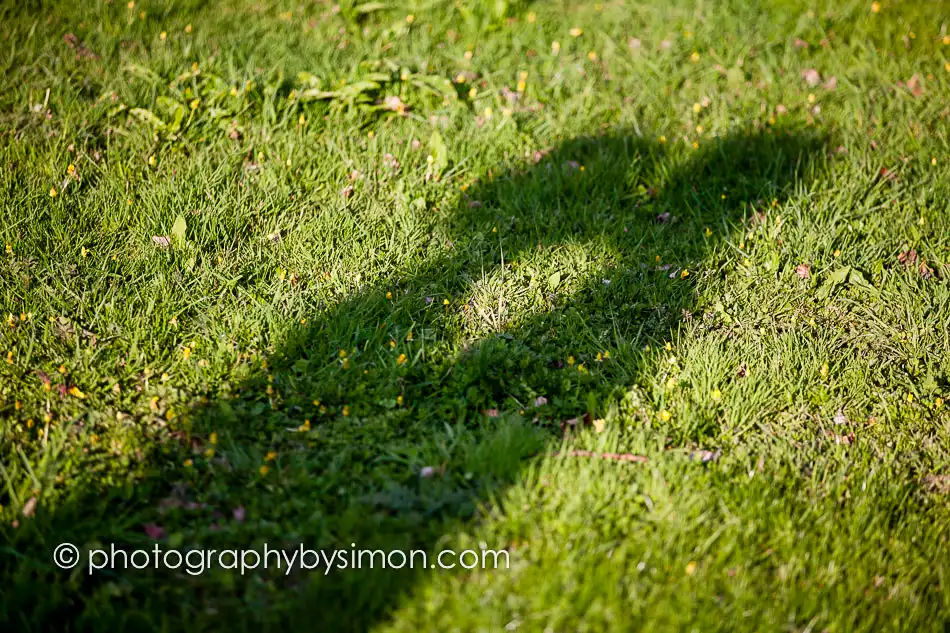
{"x": 653, "y": 296}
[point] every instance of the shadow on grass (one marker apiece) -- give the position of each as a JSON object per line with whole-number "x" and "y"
{"x": 550, "y": 280}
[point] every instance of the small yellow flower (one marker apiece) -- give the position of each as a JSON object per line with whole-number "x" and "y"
{"x": 460, "y": 78}
{"x": 555, "y": 47}
{"x": 389, "y": 295}
{"x": 188, "y": 28}
{"x": 662, "y": 139}
{"x": 875, "y": 7}
{"x": 671, "y": 383}
{"x": 209, "y": 453}
{"x": 264, "y": 470}
{"x": 195, "y": 103}
{"x": 399, "y": 400}
{"x": 716, "y": 395}
{"x": 9, "y": 248}
{"x": 468, "y": 54}
{"x": 910, "y": 397}
{"x": 162, "y": 36}
{"x": 531, "y": 17}
{"x": 684, "y": 274}
{"x": 186, "y": 352}
{"x": 83, "y": 251}
{"x": 592, "y": 56}
{"x": 342, "y": 353}
{"x": 694, "y": 57}
{"x": 346, "y": 410}
{"x": 187, "y": 463}
{"x": 708, "y": 232}
{"x": 946, "y": 40}
{"x": 576, "y": 32}
{"x": 410, "y": 19}
{"x": 837, "y": 253}
{"x": 131, "y": 5}
{"x": 665, "y": 415}
{"x": 811, "y": 97}
{"x": 938, "y": 403}
{"x": 71, "y": 169}
{"x": 401, "y": 360}
{"x": 570, "y": 360}
{"x": 271, "y": 456}
{"x": 522, "y": 86}
{"x": 74, "y": 391}
{"x": 213, "y": 438}
{"x": 690, "y": 568}
{"x": 9, "y": 358}
{"x": 697, "y": 107}
{"x": 933, "y": 161}
{"x": 52, "y": 192}
{"x": 151, "y": 160}
{"x": 445, "y": 302}
{"x": 824, "y": 370}
{"x": 472, "y": 92}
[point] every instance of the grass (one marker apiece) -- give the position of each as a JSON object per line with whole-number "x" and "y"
{"x": 328, "y": 274}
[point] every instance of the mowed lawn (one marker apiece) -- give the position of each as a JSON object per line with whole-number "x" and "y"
{"x": 651, "y": 295}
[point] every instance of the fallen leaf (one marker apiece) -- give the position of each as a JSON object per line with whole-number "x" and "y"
{"x": 161, "y": 241}
{"x": 803, "y": 271}
{"x": 81, "y": 51}
{"x": 29, "y": 508}
{"x": 907, "y": 258}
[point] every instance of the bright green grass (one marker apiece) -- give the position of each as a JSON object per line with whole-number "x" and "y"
{"x": 453, "y": 312}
